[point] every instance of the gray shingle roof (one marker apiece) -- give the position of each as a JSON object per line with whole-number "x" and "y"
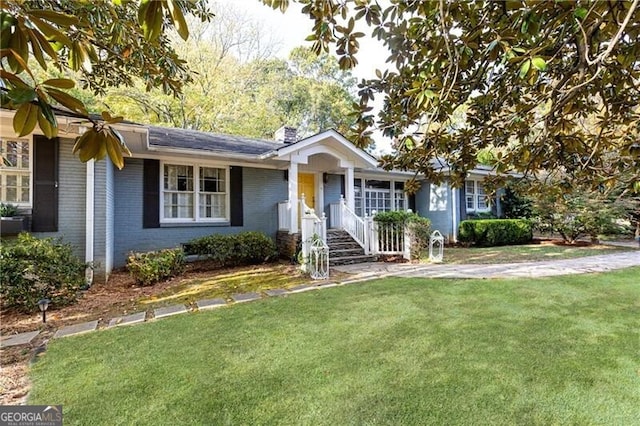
{"x": 210, "y": 142}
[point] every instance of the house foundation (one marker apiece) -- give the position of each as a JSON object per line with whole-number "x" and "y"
{"x": 287, "y": 244}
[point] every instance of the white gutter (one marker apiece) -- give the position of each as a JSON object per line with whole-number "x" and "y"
{"x": 201, "y": 152}
{"x": 89, "y": 219}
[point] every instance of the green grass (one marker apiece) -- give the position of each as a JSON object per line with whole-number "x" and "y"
{"x": 396, "y": 351}
{"x": 523, "y": 253}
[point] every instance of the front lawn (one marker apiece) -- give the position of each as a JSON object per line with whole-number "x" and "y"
{"x": 562, "y": 350}
{"x": 544, "y": 250}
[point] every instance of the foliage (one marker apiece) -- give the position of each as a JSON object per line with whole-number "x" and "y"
{"x": 244, "y": 248}
{"x": 547, "y": 85}
{"x": 495, "y": 232}
{"x": 251, "y": 99}
{"x": 8, "y": 210}
{"x": 151, "y": 267}
{"x": 418, "y": 227}
{"x": 106, "y": 42}
{"x": 480, "y": 215}
{"x": 514, "y": 201}
{"x": 35, "y": 268}
{"x": 579, "y": 213}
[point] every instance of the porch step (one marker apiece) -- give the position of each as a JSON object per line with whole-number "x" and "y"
{"x": 344, "y": 250}
{"x": 350, "y": 260}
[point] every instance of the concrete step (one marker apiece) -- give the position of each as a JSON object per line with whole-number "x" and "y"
{"x": 347, "y": 252}
{"x": 349, "y": 260}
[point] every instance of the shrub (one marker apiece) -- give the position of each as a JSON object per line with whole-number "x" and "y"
{"x": 33, "y": 268}
{"x": 151, "y": 267}
{"x": 245, "y": 248}
{"x": 8, "y": 210}
{"x": 495, "y": 232}
{"x": 419, "y": 228}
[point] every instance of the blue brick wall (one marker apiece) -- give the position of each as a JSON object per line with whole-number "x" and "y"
{"x": 262, "y": 190}
{"x": 332, "y": 192}
{"x": 436, "y": 208}
{"x": 71, "y": 200}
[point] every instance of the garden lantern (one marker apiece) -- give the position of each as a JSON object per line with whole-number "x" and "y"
{"x": 43, "y": 304}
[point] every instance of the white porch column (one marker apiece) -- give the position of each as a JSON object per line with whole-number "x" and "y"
{"x": 293, "y": 196}
{"x": 454, "y": 214}
{"x": 89, "y": 218}
{"x": 349, "y": 189}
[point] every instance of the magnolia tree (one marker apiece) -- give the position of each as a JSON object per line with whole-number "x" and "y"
{"x": 545, "y": 85}
{"x": 108, "y": 43}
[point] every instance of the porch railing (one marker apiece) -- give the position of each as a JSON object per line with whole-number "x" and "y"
{"x": 313, "y": 233}
{"x": 354, "y": 225}
{"x": 390, "y": 239}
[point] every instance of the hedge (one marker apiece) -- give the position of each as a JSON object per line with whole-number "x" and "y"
{"x": 244, "y": 248}
{"x": 151, "y": 267}
{"x": 33, "y": 268}
{"x": 495, "y": 232}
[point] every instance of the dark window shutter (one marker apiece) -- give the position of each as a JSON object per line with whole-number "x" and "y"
{"x": 151, "y": 194}
{"x": 44, "y": 216}
{"x": 462, "y": 202}
{"x": 235, "y": 196}
{"x": 342, "y": 186}
{"x": 412, "y": 202}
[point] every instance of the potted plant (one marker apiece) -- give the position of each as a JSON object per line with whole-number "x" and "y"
{"x": 11, "y": 222}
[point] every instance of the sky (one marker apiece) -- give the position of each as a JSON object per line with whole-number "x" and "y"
{"x": 292, "y": 27}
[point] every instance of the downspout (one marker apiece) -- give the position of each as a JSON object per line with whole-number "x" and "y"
{"x": 89, "y": 220}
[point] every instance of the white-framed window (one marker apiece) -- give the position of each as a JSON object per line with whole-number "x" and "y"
{"x": 399, "y": 199}
{"x": 194, "y": 193}
{"x": 377, "y": 195}
{"x": 16, "y": 171}
{"x": 476, "y": 197}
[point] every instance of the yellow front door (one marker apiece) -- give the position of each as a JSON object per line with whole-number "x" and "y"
{"x": 307, "y": 186}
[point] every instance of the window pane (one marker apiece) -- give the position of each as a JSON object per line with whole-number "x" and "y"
{"x": 178, "y": 178}
{"x": 469, "y": 202}
{"x": 399, "y": 186}
{"x": 469, "y": 187}
{"x": 212, "y": 180}
{"x": 213, "y": 206}
{"x": 378, "y": 184}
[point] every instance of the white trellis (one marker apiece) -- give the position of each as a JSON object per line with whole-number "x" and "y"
{"x": 318, "y": 262}
{"x": 436, "y": 247}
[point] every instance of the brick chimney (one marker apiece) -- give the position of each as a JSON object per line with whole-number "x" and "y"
{"x": 286, "y": 134}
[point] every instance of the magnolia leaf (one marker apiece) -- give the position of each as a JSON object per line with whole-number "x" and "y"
{"x": 59, "y": 18}
{"x": 524, "y": 68}
{"x": 67, "y": 100}
{"x": 25, "y": 119}
{"x": 61, "y": 83}
{"x": 539, "y": 63}
{"x": 21, "y": 95}
{"x": 49, "y": 130}
{"x": 114, "y": 151}
{"x": 178, "y": 19}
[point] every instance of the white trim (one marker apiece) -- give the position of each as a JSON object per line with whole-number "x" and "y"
{"x": 293, "y": 196}
{"x": 476, "y": 194}
{"x": 196, "y": 193}
{"x": 324, "y": 136}
{"x": 89, "y": 216}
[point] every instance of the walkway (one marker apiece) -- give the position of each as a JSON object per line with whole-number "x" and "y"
{"x": 582, "y": 265}
{"x": 363, "y": 272}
